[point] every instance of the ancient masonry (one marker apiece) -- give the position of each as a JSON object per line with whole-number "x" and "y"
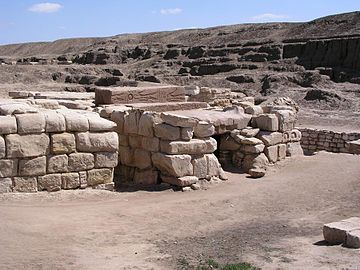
{"x": 140, "y": 136}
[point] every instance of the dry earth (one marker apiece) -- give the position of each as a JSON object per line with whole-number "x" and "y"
{"x": 274, "y": 223}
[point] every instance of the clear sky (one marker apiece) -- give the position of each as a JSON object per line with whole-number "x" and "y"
{"x": 31, "y": 20}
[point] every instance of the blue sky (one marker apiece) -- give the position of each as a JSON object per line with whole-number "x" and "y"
{"x": 29, "y": 20}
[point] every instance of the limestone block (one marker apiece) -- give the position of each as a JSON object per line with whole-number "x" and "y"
{"x": 100, "y": 176}
{"x": 55, "y": 122}
{"x": 353, "y": 239}
{"x": 8, "y": 125}
{"x": 70, "y": 180}
{"x": 267, "y": 122}
{"x": 58, "y": 164}
{"x": 252, "y": 149}
{"x": 146, "y": 177}
{"x": 131, "y": 122}
{"x": 5, "y": 185}
{"x": 255, "y": 161}
{"x": 16, "y": 108}
{"x": 96, "y": 123}
{"x": 106, "y": 160}
{"x": 227, "y": 143}
{"x": 25, "y": 184}
{"x": 63, "y": 143}
{"x": 251, "y": 141}
{"x": 30, "y": 123}
{"x": 335, "y": 233}
{"x": 126, "y": 155}
{"x": 50, "y": 182}
{"x": 187, "y": 133}
{"x": 167, "y": 132}
{"x": 135, "y": 141}
{"x": 200, "y": 166}
{"x": 142, "y": 159}
{"x": 204, "y": 129}
{"x": 178, "y": 120}
{"x": 119, "y": 118}
{"x": 151, "y": 144}
{"x": 97, "y": 142}
{"x": 214, "y": 167}
{"x": 147, "y": 122}
{"x": 257, "y": 173}
{"x": 2, "y": 148}
{"x": 249, "y": 132}
{"x": 76, "y": 122}
{"x": 23, "y": 146}
{"x": 173, "y": 165}
{"x": 8, "y": 167}
{"x": 123, "y": 140}
{"x": 294, "y": 149}
{"x": 83, "y": 179}
{"x": 287, "y": 120}
{"x": 270, "y": 138}
{"x": 184, "y": 181}
{"x": 32, "y": 167}
{"x": 81, "y": 162}
{"x": 254, "y": 110}
{"x": 282, "y": 151}
{"x": 272, "y": 153}
{"x": 192, "y": 147}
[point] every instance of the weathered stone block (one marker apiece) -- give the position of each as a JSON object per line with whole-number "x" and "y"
{"x": 2, "y": 148}
{"x": 214, "y": 167}
{"x": 63, "y": 143}
{"x": 294, "y": 149}
{"x": 83, "y": 179}
{"x": 174, "y": 165}
{"x": 200, "y": 167}
{"x": 58, "y": 164}
{"x": 30, "y": 123}
{"x": 272, "y": 153}
{"x": 257, "y": 173}
{"x": 55, "y": 122}
{"x": 135, "y": 141}
{"x": 5, "y": 185}
{"x": 25, "y": 184}
{"x": 184, "y": 181}
{"x": 228, "y": 143}
{"x": 335, "y": 233}
{"x": 146, "y": 177}
{"x": 251, "y": 141}
{"x": 252, "y": 149}
{"x": 100, "y": 176}
{"x": 151, "y": 144}
{"x": 96, "y": 123}
{"x": 142, "y": 159}
{"x": 255, "y": 161}
{"x": 254, "y": 110}
{"x": 282, "y": 151}
{"x": 267, "y": 122}
{"x": 119, "y": 118}
{"x": 187, "y": 134}
{"x": 353, "y": 239}
{"x": 8, "y": 125}
{"x": 249, "y": 132}
{"x": 204, "y": 129}
{"x": 126, "y": 155}
{"x": 32, "y": 167}
{"x": 50, "y": 182}
{"x": 8, "y": 167}
{"x": 178, "y": 120}
{"x": 270, "y": 138}
{"x": 192, "y": 147}
{"x": 76, "y": 122}
{"x": 70, "y": 180}
{"x": 23, "y": 146}
{"x": 147, "y": 122}
{"x": 287, "y": 120}
{"x": 167, "y": 132}
{"x": 97, "y": 142}
{"x": 131, "y": 122}
{"x": 106, "y": 160}
{"x": 81, "y": 162}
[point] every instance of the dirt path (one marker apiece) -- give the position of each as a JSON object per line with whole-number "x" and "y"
{"x": 273, "y": 222}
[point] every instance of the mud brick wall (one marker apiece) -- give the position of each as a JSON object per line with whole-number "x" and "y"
{"x": 55, "y": 149}
{"x": 163, "y": 147}
{"x": 326, "y": 140}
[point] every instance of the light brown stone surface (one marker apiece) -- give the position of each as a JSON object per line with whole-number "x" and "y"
{"x": 335, "y": 233}
{"x": 2, "y": 148}
{"x": 5, "y": 185}
{"x": 151, "y": 144}
{"x": 267, "y": 122}
{"x": 8, "y": 124}
{"x": 76, "y": 122}
{"x": 270, "y": 138}
{"x": 272, "y": 153}
{"x": 58, "y": 164}
{"x": 55, "y": 122}
{"x": 24, "y": 146}
{"x": 200, "y": 167}
{"x": 142, "y": 159}
{"x": 353, "y": 239}
{"x": 146, "y": 177}
{"x": 70, "y": 180}
{"x": 50, "y": 182}
{"x": 174, "y": 165}
{"x": 184, "y": 181}
{"x": 106, "y": 160}
{"x": 63, "y": 143}
{"x": 25, "y": 184}
{"x": 81, "y": 162}
{"x": 8, "y": 167}
{"x": 99, "y": 176}
{"x": 97, "y": 142}
{"x": 192, "y": 147}
{"x": 32, "y": 167}
{"x": 30, "y": 123}
{"x": 167, "y": 132}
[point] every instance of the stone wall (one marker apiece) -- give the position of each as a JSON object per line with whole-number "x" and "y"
{"x": 54, "y": 149}
{"x": 320, "y": 139}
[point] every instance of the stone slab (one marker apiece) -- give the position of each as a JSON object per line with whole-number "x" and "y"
{"x": 335, "y": 233}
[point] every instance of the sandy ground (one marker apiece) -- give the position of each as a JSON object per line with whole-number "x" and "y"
{"x": 274, "y": 223}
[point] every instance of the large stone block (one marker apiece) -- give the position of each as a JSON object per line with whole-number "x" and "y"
{"x": 192, "y": 147}
{"x": 25, "y": 184}
{"x": 8, "y": 167}
{"x": 255, "y": 161}
{"x": 173, "y": 165}
{"x": 282, "y": 151}
{"x": 58, "y": 164}
{"x": 23, "y": 146}
{"x": 187, "y": 134}
{"x": 167, "y": 132}
{"x": 228, "y": 143}
{"x": 70, "y": 180}
{"x": 267, "y": 122}
{"x": 30, "y": 123}
{"x": 146, "y": 177}
{"x": 63, "y": 143}
{"x": 147, "y": 122}
{"x": 287, "y": 120}
{"x": 8, "y": 125}
{"x": 270, "y": 138}
{"x": 252, "y": 149}
{"x": 126, "y": 155}
{"x": 81, "y": 162}
{"x": 50, "y": 182}
{"x": 294, "y": 149}
{"x": 32, "y": 167}
{"x": 131, "y": 122}
{"x": 135, "y": 141}
{"x": 119, "y": 118}
{"x": 16, "y": 108}
{"x": 272, "y": 153}
{"x": 335, "y": 233}
{"x": 214, "y": 167}
{"x": 151, "y": 144}
{"x": 142, "y": 159}
{"x": 200, "y": 165}
{"x": 5, "y": 185}
{"x": 55, "y": 122}
{"x": 204, "y": 129}
{"x": 76, "y": 122}
{"x": 106, "y": 160}
{"x": 2, "y": 148}
{"x": 96, "y": 123}
{"x": 97, "y": 142}
{"x": 100, "y": 176}
{"x": 184, "y": 181}
{"x": 178, "y": 120}
{"x": 353, "y": 239}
